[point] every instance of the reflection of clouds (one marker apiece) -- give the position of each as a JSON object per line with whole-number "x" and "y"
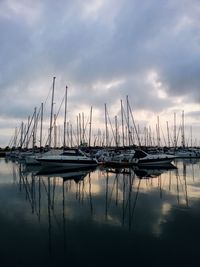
{"x": 175, "y": 184}
{"x": 164, "y": 212}
{"x": 166, "y": 207}
{"x": 8, "y": 172}
{"x": 143, "y": 205}
{"x": 194, "y": 191}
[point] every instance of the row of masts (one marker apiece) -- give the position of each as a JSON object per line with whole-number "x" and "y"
{"x": 72, "y": 138}
{"x": 124, "y": 133}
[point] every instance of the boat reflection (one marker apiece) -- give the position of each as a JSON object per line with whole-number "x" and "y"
{"x": 152, "y": 172}
{"x": 46, "y": 190}
{"x": 30, "y": 169}
{"x": 72, "y": 174}
{"x": 109, "y": 196}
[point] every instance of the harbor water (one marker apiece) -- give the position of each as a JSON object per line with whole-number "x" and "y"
{"x": 100, "y": 217}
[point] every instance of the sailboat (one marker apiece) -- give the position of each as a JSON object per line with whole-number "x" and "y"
{"x": 69, "y": 158}
{"x": 31, "y": 159}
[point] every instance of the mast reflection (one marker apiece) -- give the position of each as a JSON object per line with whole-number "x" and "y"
{"x": 47, "y": 186}
{"x": 114, "y": 196}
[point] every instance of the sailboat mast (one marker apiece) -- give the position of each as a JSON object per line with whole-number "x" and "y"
{"x": 34, "y": 127}
{"x": 116, "y": 132}
{"x": 106, "y": 125}
{"x": 90, "y": 126}
{"x": 71, "y": 135}
{"x": 65, "y": 117}
{"x": 183, "y": 130}
{"x": 51, "y": 118}
{"x": 41, "y": 125}
{"x": 128, "y": 124}
{"x": 83, "y": 128}
{"x": 122, "y": 118}
{"x": 55, "y": 131}
{"x": 191, "y": 136}
{"x": 22, "y": 133}
{"x": 77, "y": 130}
{"x": 27, "y": 132}
{"x": 168, "y": 134}
{"x": 175, "y": 131}
{"x": 136, "y": 131}
{"x": 158, "y": 132}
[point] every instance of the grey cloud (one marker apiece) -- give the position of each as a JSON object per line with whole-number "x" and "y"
{"x": 120, "y": 41}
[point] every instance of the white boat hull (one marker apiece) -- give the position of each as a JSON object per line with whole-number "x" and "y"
{"x": 144, "y": 159}
{"x": 70, "y": 160}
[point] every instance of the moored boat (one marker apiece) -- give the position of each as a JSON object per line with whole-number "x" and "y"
{"x": 71, "y": 158}
{"x": 116, "y": 158}
{"x": 142, "y": 158}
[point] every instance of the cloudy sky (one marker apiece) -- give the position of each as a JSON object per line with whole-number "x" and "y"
{"x": 103, "y": 50}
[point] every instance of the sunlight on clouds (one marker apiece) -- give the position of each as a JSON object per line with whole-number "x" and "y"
{"x": 162, "y": 94}
{"x": 153, "y": 79}
{"x": 177, "y": 100}
{"x": 182, "y": 106}
{"x": 107, "y": 86}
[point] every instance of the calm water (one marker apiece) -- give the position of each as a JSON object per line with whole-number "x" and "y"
{"x": 108, "y": 218}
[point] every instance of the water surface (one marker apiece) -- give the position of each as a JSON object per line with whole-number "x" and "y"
{"x": 104, "y": 217}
